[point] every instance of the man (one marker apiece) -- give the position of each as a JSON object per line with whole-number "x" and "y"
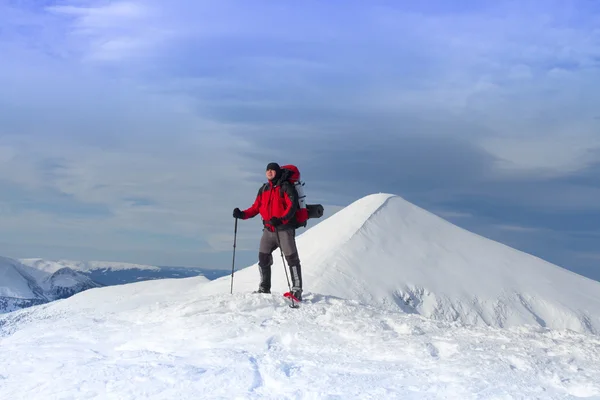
{"x": 277, "y": 203}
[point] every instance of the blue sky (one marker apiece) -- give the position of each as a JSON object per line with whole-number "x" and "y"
{"x": 130, "y": 130}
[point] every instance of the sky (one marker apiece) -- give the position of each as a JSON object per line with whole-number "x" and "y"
{"x": 130, "y": 130}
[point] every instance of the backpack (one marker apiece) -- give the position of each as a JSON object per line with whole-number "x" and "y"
{"x": 291, "y": 174}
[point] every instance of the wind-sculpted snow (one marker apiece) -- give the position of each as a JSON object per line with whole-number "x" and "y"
{"x": 142, "y": 344}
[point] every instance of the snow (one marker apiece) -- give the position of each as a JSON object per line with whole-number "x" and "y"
{"x": 64, "y": 280}
{"x": 483, "y": 321}
{"x": 67, "y": 278}
{"x": 163, "y": 340}
{"x": 83, "y": 266}
{"x": 14, "y": 281}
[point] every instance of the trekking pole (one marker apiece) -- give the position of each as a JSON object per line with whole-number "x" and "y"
{"x": 233, "y": 262}
{"x": 284, "y": 268}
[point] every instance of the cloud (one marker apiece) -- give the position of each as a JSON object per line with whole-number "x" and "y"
{"x": 157, "y": 118}
{"x": 452, "y": 214}
{"x": 589, "y": 255}
{"x": 176, "y": 181}
{"x": 517, "y": 228}
{"x": 112, "y": 31}
{"x": 548, "y": 156}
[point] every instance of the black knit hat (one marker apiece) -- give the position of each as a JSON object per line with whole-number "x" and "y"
{"x": 274, "y": 166}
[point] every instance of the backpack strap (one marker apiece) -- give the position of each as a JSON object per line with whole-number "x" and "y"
{"x": 287, "y": 187}
{"x": 262, "y": 189}
{"x": 290, "y": 189}
{"x": 284, "y": 186}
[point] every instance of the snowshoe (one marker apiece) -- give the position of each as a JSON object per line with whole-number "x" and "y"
{"x": 294, "y": 295}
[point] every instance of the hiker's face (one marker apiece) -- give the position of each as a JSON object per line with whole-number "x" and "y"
{"x": 271, "y": 174}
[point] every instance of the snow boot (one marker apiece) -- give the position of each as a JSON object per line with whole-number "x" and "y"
{"x": 297, "y": 293}
{"x": 296, "y": 273}
{"x": 265, "y": 279}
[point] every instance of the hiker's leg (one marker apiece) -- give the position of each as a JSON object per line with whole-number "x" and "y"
{"x": 265, "y": 260}
{"x": 288, "y": 245}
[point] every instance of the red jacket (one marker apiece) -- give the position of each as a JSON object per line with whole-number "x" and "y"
{"x": 274, "y": 200}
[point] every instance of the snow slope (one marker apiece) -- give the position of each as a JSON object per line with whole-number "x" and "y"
{"x": 18, "y": 286}
{"x": 15, "y": 282}
{"x": 384, "y": 251}
{"x": 166, "y": 340}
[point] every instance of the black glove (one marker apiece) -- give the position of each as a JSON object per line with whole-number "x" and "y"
{"x": 275, "y": 221}
{"x": 237, "y": 213}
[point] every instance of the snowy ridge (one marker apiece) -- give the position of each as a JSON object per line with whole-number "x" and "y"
{"x": 382, "y": 250}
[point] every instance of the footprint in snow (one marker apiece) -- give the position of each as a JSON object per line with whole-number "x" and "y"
{"x": 288, "y": 368}
{"x": 432, "y": 350}
{"x": 416, "y": 331}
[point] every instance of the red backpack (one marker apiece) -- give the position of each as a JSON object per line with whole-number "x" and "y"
{"x": 291, "y": 174}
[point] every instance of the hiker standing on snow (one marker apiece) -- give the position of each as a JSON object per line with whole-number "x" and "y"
{"x": 276, "y": 202}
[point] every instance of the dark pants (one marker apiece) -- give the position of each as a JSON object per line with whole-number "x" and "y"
{"x": 269, "y": 243}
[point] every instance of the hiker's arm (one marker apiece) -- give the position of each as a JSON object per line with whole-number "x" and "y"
{"x": 253, "y": 210}
{"x": 289, "y": 198}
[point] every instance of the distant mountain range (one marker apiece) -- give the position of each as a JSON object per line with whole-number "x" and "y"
{"x": 116, "y": 273}
{"x": 24, "y": 286}
{"x": 33, "y": 281}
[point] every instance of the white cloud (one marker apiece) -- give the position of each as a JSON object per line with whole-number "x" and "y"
{"x": 113, "y": 31}
{"x": 180, "y": 181}
{"x": 518, "y": 228}
{"x": 589, "y": 255}
{"x": 546, "y": 156}
{"x": 109, "y": 15}
{"x": 452, "y": 214}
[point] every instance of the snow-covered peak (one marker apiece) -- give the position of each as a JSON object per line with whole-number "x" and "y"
{"x": 65, "y": 282}
{"x": 16, "y": 282}
{"x": 84, "y": 266}
{"x": 383, "y": 250}
{"x": 66, "y": 277}
{"x": 23, "y": 286}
